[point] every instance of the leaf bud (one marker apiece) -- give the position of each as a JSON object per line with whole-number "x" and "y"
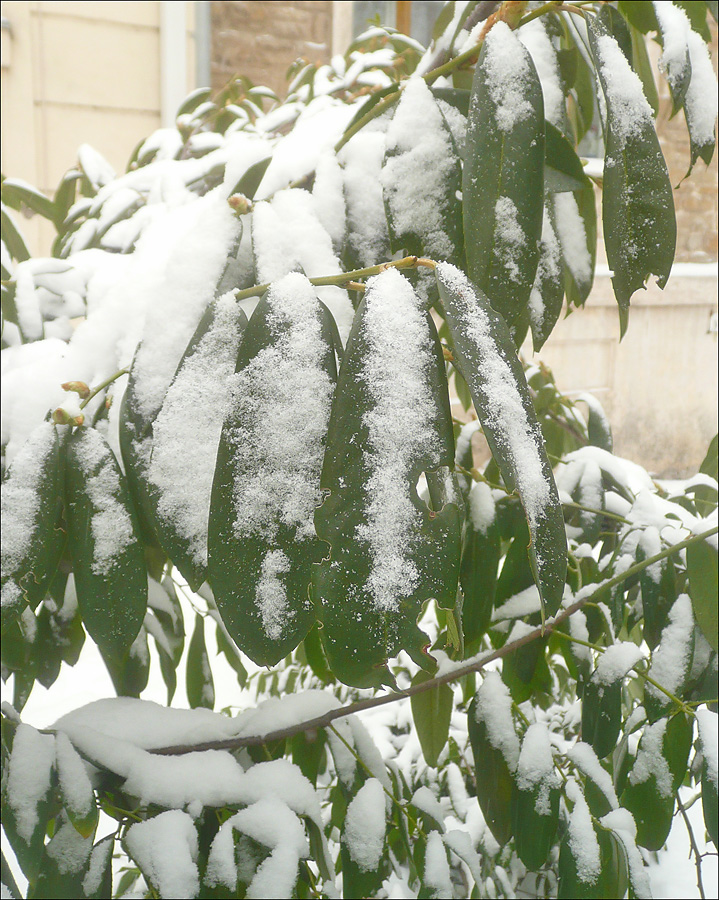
{"x": 240, "y": 204}
{"x": 63, "y": 417}
{"x": 79, "y": 387}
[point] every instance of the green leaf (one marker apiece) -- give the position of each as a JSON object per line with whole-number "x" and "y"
{"x": 612, "y": 880}
{"x": 639, "y": 14}
{"x": 707, "y": 739}
{"x": 638, "y": 206}
{"x": 698, "y": 17}
{"x": 703, "y": 585}
{"x": 109, "y": 566}
{"x": 64, "y": 863}
{"x": 179, "y": 485}
{"x": 487, "y": 359}
{"x": 495, "y": 783}
{"x": 657, "y": 773}
{"x": 563, "y": 169}
{"x": 503, "y": 181}
{"x": 76, "y": 792}
{"x": 424, "y": 216}
{"x": 130, "y": 676}
{"x": 390, "y": 412}
{"x": 614, "y": 24}
{"x": 261, "y": 542}
{"x": 200, "y": 686}
{"x": 17, "y": 194}
{"x": 11, "y": 235}
{"x": 431, "y": 713}
{"x": 250, "y": 181}
{"x": 226, "y": 647}
{"x": 535, "y": 817}
{"x": 575, "y": 216}
{"x": 31, "y": 509}
{"x": 602, "y": 715}
{"x": 100, "y": 886}
{"x": 545, "y": 305}
{"x": 478, "y": 577}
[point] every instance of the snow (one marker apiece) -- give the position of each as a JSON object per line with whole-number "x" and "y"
{"x": 519, "y": 605}
{"x": 572, "y": 237}
{"x": 535, "y": 38}
{"x": 72, "y": 776}
{"x": 506, "y": 71}
{"x": 21, "y": 504}
{"x": 621, "y": 822}
{"x": 271, "y": 595}
{"x": 535, "y": 768}
{"x": 165, "y": 848}
{"x": 425, "y": 801}
{"x": 482, "y": 509}
{"x": 436, "y": 868}
{"x": 29, "y": 777}
{"x": 629, "y": 111}
{"x": 99, "y": 859}
{"x": 707, "y": 722}
{"x": 494, "y": 708}
{"x": 420, "y": 163}
{"x": 187, "y": 430}
{"x": 361, "y": 159}
{"x": 111, "y": 526}
{"x": 328, "y": 196}
{"x": 585, "y": 759}
{"x": 507, "y": 412}
{"x": 509, "y": 237}
{"x": 581, "y": 836}
{"x": 616, "y": 661}
{"x": 700, "y": 103}
{"x": 672, "y": 658}
{"x": 399, "y": 431}
{"x": 650, "y": 761}
{"x": 674, "y": 25}
{"x": 364, "y": 826}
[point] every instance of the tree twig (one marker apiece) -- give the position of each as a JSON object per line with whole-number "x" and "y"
{"x": 695, "y": 849}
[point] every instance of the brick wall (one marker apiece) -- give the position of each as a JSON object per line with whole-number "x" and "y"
{"x": 260, "y": 39}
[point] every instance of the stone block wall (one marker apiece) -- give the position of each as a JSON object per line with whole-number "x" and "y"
{"x": 262, "y": 38}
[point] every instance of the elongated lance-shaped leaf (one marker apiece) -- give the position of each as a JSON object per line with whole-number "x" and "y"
{"x": 638, "y": 207}
{"x": 488, "y": 361}
{"x": 503, "y": 177}
{"x": 261, "y": 539}
{"x": 431, "y": 713}
{"x": 421, "y": 176}
{"x": 199, "y": 681}
{"x": 388, "y": 552}
{"x": 109, "y": 565}
{"x": 32, "y": 541}
{"x": 186, "y": 435}
{"x": 545, "y": 299}
{"x": 535, "y": 799}
{"x": 702, "y": 568}
{"x": 575, "y": 223}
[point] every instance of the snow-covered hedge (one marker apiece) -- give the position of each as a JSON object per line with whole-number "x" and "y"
{"x": 228, "y": 393}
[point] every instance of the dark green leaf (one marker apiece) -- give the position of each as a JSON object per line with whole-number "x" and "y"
{"x": 658, "y": 770}
{"x": 703, "y": 583}
{"x": 639, "y": 14}
{"x": 64, "y": 864}
{"x": 110, "y": 572}
{"x": 130, "y": 676}
{"x": 200, "y": 685}
{"x": 575, "y": 216}
{"x": 100, "y": 886}
{"x": 563, "y": 170}
{"x": 14, "y": 241}
{"x": 478, "y": 577}
{"x": 615, "y": 25}
{"x": 250, "y": 181}
{"x": 260, "y": 540}
{"x": 226, "y": 646}
{"x": 545, "y": 303}
{"x": 32, "y": 505}
{"x": 431, "y": 713}
{"x": 643, "y": 67}
{"x": 502, "y": 182}
{"x": 638, "y": 206}
{"x": 488, "y": 361}
{"x": 535, "y": 817}
{"x": 602, "y": 715}
{"x": 456, "y": 97}
{"x": 612, "y": 878}
{"x": 372, "y": 588}
{"x": 76, "y": 792}
{"x": 697, "y": 14}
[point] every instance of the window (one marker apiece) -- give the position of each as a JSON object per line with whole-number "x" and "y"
{"x": 416, "y": 17}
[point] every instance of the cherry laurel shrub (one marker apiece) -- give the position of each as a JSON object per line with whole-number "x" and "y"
{"x": 228, "y": 398}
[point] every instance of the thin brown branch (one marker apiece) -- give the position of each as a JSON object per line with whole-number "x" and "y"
{"x": 695, "y": 849}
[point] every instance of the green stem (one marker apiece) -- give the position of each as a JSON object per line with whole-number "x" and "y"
{"x": 475, "y": 665}
{"x": 598, "y": 512}
{"x": 102, "y": 386}
{"x": 407, "y": 262}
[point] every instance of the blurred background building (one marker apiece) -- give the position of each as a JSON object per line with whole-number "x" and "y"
{"x": 108, "y": 73}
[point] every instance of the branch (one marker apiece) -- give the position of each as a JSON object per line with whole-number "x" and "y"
{"x": 695, "y": 849}
{"x": 475, "y": 665}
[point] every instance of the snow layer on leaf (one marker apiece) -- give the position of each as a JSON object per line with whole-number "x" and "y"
{"x": 74, "y": 781}
{"x": 281, "y": 402}
{"x": 650, "y": 759}
{"x": 27, "y": 302}
{"x": 494, "y": 708}
{"x": 187, "y": 430}
{"x": 482, "y": 510}
{"x": 622, "y": 823}
{"x": 536, "y": 766}
{"x": 544, "y": 56}
{"x": 700, "y": 103}
{"x": 630, "y": 111}
{"x": 415, "y": 179}
{"x": 616, "y": 661}
{"x": 674, "y": 25}
{"x": 165, "y": 849}
{"x": 508, "y": 235}
{"x": 20, "y": 502}
{"x": 111, "y": 525}
{"x": 549, "y": 267}
{"x": 400, "y": 430}
{"x": 364, "y": 826}
{"x": 507, "y": 412}
{"x": 194, "y": 265}
{"x": 671, "y": 659}
{"x": 271, "y": 594}
{"x": 572, "y": 236}
{"x": 28, "y": 780}
{"x": 519, "y": 605}
{"x": 586, "y": 760}
{"x": 276, "y": 713}
{"x": 506, "y": 71}
{"x": 99, "y": 859}
{"x": 328, "y": 195}
{"x": 436, "y": 868}
{"x": 628, "y": 475}
{"x": 651, "y": 544}
{"x": 361, "y": 159}
{"x": 582, "y": 837}
{"x": 424, "y": 800}
{"x": 707, "y": 722}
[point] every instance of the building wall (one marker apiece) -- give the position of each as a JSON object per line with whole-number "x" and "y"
{"x": 80, "y": 72}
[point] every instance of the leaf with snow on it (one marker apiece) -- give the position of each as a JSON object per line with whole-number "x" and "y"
{"x": 165, "y": 849}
